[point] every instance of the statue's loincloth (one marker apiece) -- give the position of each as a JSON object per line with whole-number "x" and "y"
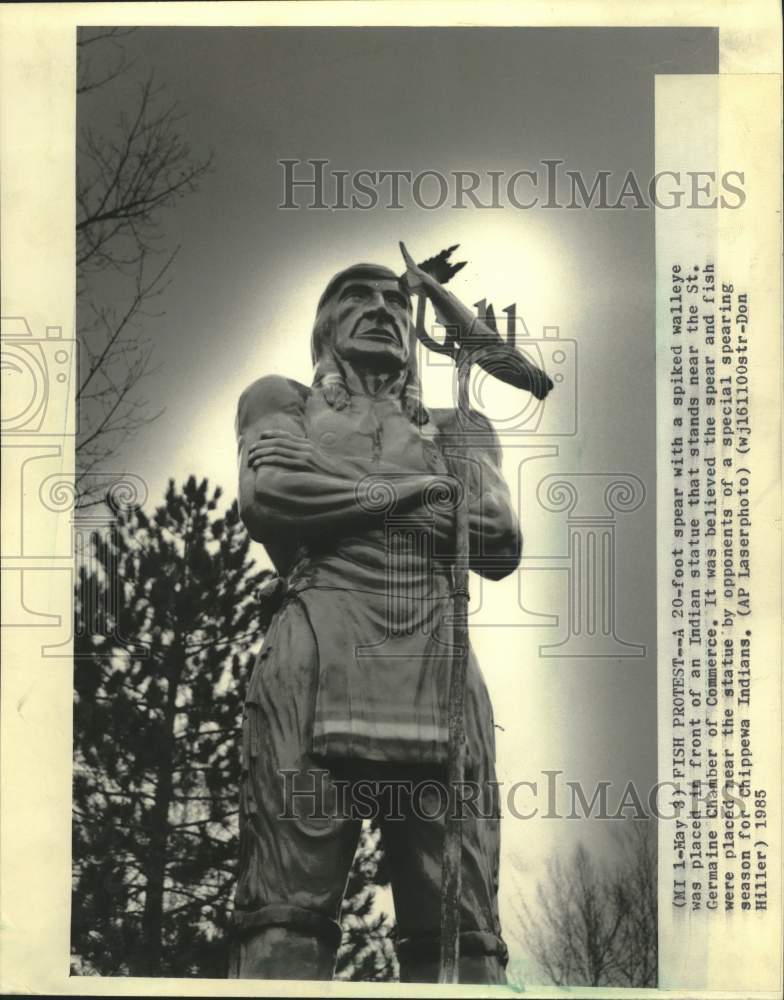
{"x": 383, "y": 641}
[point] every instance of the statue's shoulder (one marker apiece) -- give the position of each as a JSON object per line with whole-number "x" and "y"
{"x": 271, "y": 394}
{"x": 449, "y": 425}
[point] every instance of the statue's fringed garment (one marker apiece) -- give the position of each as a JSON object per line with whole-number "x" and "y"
{"x": 383, "y": 638}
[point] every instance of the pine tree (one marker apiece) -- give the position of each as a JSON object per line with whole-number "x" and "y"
{"x": 168, "y": 622}
{"x": 156, "y": 748}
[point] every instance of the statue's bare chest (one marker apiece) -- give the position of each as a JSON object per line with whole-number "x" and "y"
{"x": 373, "y": 431}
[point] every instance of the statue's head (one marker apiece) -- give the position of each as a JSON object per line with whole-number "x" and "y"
{"x": 364, "y": 320}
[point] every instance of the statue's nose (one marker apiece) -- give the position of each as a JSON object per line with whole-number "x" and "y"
{"x": 378, "y": 307}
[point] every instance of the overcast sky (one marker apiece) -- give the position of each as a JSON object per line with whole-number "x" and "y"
{"x": 248, "y": 277}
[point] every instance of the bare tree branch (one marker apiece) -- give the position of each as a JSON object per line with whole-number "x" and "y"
{"x": 128, "y": 178}
{"x": 595, "y": 926}
{"x": 86, "y": 37}
{"x": 123, "y": 182}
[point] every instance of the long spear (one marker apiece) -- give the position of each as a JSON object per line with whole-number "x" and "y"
{"x": 481, "y": 345}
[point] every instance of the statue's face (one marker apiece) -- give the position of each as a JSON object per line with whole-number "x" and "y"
{"x": 372, "y": 320}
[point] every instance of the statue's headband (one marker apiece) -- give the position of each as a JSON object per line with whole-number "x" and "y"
{"x": 374, "y": 272}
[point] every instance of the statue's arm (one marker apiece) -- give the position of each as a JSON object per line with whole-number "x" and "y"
{"x": 496, "y": 538}
{"x": 496, "y": 542}
{"x": 289, "y": 487}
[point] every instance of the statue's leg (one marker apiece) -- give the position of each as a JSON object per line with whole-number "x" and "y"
{"x": 285, "y": 942}
{"x": 296, "y": 846}
{"x": 414, "y": 846}
{"x": 413, "y": 850}
{"x": 482, "y": 959}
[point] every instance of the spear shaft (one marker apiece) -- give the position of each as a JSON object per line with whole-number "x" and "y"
{"x": 451, "y": 864}
{"x": 482, "y": 345}
{"x": 451, "y": 858}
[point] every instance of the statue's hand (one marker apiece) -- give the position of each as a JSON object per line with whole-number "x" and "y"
{"x": 288, "y": 451}
{"x": 417, "y": 279}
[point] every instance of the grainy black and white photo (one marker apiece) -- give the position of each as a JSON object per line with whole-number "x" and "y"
{"x": 417, "y": 458}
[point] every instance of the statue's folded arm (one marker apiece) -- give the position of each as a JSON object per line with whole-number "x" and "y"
{"x": 276, "y": 500}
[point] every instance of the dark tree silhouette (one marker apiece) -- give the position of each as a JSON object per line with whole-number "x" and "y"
{"x": 155, "y": 734}
{"x": 596, "y": 925}
{"x": 128, "y": 175}
{"x": 168, "y": 623}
